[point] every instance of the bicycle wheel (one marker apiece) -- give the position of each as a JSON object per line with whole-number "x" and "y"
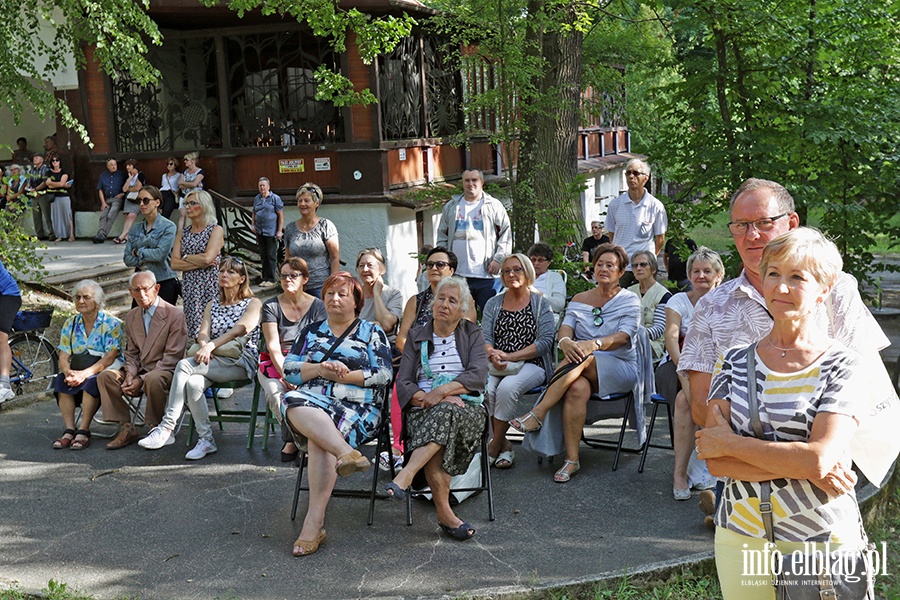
{"x": 34, "y": 363}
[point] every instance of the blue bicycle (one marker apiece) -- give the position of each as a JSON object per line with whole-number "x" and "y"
{"x": 34, "y": 359}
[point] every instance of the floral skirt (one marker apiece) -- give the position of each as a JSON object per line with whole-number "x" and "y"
{"x": 357, "y": 422}
{"x": 458, "y": 430}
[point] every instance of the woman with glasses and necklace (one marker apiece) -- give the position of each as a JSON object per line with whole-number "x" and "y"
{"x": 597, "y": 338}
{"x": 518, "y": 331}
{"x": 313, "y": 238}
{"x": 196, "y": 254}
{"x": 149, "y": 244}
{"x": 654, "y": 297}
{"x": 169, "y": 187}
{"x": 283, "y": 318}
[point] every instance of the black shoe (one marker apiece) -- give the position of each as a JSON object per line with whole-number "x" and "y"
{"x": 98, "y": 240}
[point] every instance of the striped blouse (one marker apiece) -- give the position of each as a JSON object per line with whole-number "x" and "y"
{"x": 788, "y": 404}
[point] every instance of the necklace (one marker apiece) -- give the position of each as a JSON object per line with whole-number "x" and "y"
{"x": 783, "y": 350}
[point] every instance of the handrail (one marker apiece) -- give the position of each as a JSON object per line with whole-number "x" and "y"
{"x": 236, "y": 220}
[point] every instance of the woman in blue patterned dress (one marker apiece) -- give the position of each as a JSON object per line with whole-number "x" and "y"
{"x": 809, "y": 404}
{"x": 234, "y": 312}
{"x": 196, "y": 253}
{"x": 335, "y": 406}
{"x": 90, "y": 342}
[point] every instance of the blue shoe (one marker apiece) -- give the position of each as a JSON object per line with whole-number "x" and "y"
{"x": 208, "y": 393}
{"x": 395, "y": 491}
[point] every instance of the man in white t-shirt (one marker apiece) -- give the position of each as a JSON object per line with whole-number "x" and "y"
{"x": 475, "y": 227}
{"x": 636, "y": 220}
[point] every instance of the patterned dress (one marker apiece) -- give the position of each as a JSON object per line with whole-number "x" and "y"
{"x": 310, "y": 246}
{"x": 222, "y": 318}
{"x": 199, "y": 286}
{"x": 354, "y": 410}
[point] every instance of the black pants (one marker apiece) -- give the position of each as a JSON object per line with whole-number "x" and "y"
{"x": 169, "y": 203}
{"x": 268, "y": 252}
{"x": 482, "y": 290}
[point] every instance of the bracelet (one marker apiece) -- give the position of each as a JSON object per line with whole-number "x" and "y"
{"x": 564, "y": 338}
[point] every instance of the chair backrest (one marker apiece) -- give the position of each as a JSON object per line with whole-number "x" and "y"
{"x": 564, "y": 275}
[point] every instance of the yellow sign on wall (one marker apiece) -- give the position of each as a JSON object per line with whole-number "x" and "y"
{"x": 291, "y": 165}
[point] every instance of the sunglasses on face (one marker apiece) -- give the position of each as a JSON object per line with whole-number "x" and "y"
{"x": 144, "y": 201}
{"x": 634, "y": 173}
{"x": 439, "y": 264}
{"x": 641, "y": 265}
{"x": 598, "y": 316}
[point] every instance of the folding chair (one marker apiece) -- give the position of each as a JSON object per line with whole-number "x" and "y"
{"x": 383, "y": 442}
{"x": 595, "y": 442}
{"x": 657, "y": 400}
{"x": 270, "y": 423}
{"x": 232, "y": 415}
{"x": 485, "y": 486}
{"x": 135, "y": 408}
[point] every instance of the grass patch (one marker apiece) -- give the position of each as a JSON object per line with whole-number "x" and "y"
{"x": 54, "y": 591}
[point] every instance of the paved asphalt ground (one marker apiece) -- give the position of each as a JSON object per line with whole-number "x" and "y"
{"x": 149, "y": 524}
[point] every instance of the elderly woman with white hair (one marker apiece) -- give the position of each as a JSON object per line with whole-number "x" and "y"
{"x": 89, "y": 343}
{"x": 519, "y": 333}
{"x": 654, "y": 297}
{"x": 440, "y": 387}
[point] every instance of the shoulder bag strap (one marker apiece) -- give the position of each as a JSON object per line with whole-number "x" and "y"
{"x": 765, "y": 505}
{"x": 338, "y": 341}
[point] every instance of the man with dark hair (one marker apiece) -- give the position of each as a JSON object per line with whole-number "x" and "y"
{"x": 36, "y": 187}
{"x": 22, "y": 153}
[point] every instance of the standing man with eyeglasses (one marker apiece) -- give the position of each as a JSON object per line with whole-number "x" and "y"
{"x": 110, "y": 189}
{"x": 636, "y": 220}
{"x": 475, "y": 226}
{"x": 735, "y": 314}
{"x": 157, "y": 336}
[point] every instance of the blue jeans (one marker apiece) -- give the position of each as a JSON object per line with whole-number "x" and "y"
{"x": 482, "y": 290}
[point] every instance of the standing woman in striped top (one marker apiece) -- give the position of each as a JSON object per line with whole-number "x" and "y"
{"x": 807, "y": 389}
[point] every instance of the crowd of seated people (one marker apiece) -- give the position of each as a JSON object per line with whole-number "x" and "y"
{"x": 330, "y": 355}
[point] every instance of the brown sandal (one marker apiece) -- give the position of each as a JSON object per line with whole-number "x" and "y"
{"x": 308, "y": 547}
{"x": 79, "y": 444}
{"x": 62, "y": 441}
{"x": 350, "y": 463}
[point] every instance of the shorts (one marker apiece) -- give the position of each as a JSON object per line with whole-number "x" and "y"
{"x": 9, "y": 308}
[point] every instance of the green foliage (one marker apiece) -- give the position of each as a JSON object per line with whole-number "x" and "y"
{"x": 18, "y": 248}
{"x": 328, "y": 20}
{"x": 785, "y": 91}
{"x": 119, "y": 31}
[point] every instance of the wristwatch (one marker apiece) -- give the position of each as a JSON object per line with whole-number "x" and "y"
{"x": 599, "y": 344}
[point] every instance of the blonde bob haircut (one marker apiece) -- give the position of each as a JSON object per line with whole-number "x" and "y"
{"x": 530, "y": 275}
{"x": 805, "y": 248}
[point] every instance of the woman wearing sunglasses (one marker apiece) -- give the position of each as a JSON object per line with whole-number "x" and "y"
{"x": 169, "y": 187}
{"x": 597, "y": 340}
{"x": 149, "y": 244}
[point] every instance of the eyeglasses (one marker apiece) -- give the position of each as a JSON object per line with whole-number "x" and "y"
{"x": 440, "y": 264}
{"x": 170, "y": 164}
{"x": 146, "y": 200}
{"x": 146, "y": 288}
{"x": 634, "y": 173}
{"x": 598, "y": 316}
{"x": 291, "y": 276}
{"x": 762, "y": 225}
{"x": 191, "y": 204}
{"x": 512, "y": 271}
{"x": 640, "y": 265}
{"x": 79, "y": 297}
{"x": 537, "y": 259}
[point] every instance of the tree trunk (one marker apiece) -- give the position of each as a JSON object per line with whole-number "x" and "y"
{"x": 548, "y": 160}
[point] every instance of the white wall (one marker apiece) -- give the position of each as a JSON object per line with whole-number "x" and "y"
{"x": 600, "y": 188}
{"x": 402, "y": 248}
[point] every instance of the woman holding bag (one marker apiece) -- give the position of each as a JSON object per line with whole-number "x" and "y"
{"x": 786, "y": 440}
{"x": 518, "y": 333}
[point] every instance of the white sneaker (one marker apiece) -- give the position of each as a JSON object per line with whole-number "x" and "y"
{"x": 202, "y": 448}
{"x": 157, "y": 438}
{"x": 6, "y": 394}
{"x": 225, "y": 393}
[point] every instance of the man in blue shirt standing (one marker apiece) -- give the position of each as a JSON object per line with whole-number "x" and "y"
{"x": 268, "y": 223}
{"x": 109, "y": 188}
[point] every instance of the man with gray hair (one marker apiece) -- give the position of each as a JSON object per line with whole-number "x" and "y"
{"x": 157, "y": 336}
{"x": 475, "y": 226}
{"x": 268, "y": 225}
{"x": 636, "y": 220}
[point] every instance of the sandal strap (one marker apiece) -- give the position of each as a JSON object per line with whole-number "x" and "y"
{"x": 69, "y": 432}
{"x": 83, "y": 432}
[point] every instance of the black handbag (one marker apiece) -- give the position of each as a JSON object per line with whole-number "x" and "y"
{"x": 83, "y": 360}
{"x": 838, "y": 575}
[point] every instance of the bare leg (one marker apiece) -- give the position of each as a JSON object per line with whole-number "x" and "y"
{"x": 499, "y": 443}
{"x": 684, "y": 429}
{"x": 417, "y": 460}
{"x": 574, "y": 411}
{"x": 319, "y": 428}
{"x": 439, "y": 481}
{"x": 321, "y": 474}
{"x": 67, "y": 408}
{"x": 556, "y": 391}
{"x": 5, "y": 355}
{"x": 129, "y": 221}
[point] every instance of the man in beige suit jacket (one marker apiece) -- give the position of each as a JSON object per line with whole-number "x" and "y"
{"x": 157, "y": 336}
